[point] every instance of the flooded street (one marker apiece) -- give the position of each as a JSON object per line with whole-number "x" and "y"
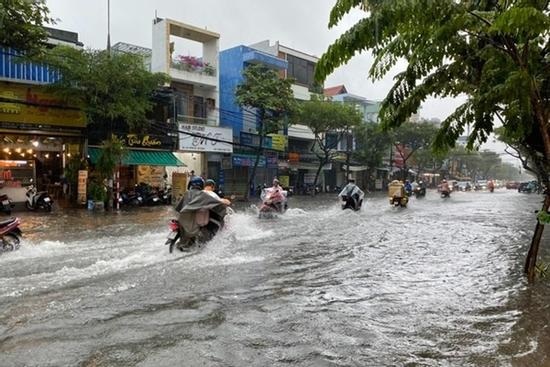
{"x": 437, "y": 284}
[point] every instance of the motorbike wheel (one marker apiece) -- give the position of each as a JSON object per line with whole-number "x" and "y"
{"x": 48, "y": 207}
{"x": 171, "y": 247}
{"x": 29, "y": 206}
{"x": 10, "y": 242}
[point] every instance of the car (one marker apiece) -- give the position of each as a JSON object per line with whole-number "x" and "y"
{"x": 512, "y": 185}
{"x": 528, "y": 187}
{"x": 480, "y": 185}
{"x": 464, "y": 185}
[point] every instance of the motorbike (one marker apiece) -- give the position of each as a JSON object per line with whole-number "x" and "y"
{"x": 352, "y": 198}
{"x": 130, "y": 198}
{"x": 397, "y": 201}
{"x": 201, "y": 218}
{"x": 38, "y": 199}
{"x": 397, "y": 195}
{"x": 273, "y": 202}
{"x": 5, "y": 204}
{"x": 419, "y": 191}
{"x": 148, "y": 194}
{"x": 166, "y": 195}
{"x": 445, "y": 194}
{"x": 10, "y": 234}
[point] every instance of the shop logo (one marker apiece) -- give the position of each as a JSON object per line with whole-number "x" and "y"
{"x": 7, "y": 107}
{"x": 145, "y": 141}
{"x": 42, "y": 103}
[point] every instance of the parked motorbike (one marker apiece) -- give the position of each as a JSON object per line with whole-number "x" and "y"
{"x": 273, "y": 202}
{"x": 201, "y": 218}
{"x": 149, "y": 194}
{"x": 166, "y": 195}
{"x": 10, "y": 234}
{"x": 5, "y": 204}
{"x": 130, "y": 198}
{"x": 38, "y": 199}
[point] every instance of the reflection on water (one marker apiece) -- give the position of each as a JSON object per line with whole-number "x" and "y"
{"x": 438, "y": 283}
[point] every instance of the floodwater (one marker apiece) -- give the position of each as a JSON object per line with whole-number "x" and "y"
{"x": 437, "y": 284}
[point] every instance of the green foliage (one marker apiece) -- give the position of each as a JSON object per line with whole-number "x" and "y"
{"x": 323, "y": 116}
{"x": 414, "y": 137}
{"x": 112, "y": 153}
{"x": 373, "y": 145}
{"x": 271, "y": 96}
{"x": 109, "y": 87}
{"x": 96, "y": 191}
{"x": 496, "y": 53}
{"x": 21, "y": 24}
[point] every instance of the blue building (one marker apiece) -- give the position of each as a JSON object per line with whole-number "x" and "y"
{"x": 233, "y": 61}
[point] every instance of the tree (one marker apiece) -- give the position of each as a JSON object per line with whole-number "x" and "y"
{"x": 410, "y": 138}
{"x": 111, "y": 88}
{"x": 496, "y": 53}
{"x": 373, "y": 145}
{"x": 272, "y": 100}
{"x": 21, "y": 24}
{"x": 330, "y": 122}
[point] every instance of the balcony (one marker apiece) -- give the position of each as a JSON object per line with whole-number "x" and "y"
{"x": 196, "y": 120}
{"x": 194, "y": 71}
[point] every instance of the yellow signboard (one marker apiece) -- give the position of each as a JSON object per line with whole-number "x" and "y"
{"x": 31, "y": 104}
{"x": 284, "y": 181}
{"x": 82, "y": 182}
{"x": 278, "y": 142}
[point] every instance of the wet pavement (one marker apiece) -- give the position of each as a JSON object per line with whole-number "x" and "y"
{"x": 437, "y": 284}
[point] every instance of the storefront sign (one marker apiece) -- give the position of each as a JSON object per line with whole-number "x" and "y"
{"x": 246, "y": 160}
{"x": 152, "y": 175}
{"x": 199, "y": 142}
{"x": 253, "y": 140}
{"x": 145, "y": 141}
{"x": 293, "y": 157}
{"x": 82, "y": 182}
{"x": 26, "y": 104}
{"x": 278, "y": 142}
{"x": 271, "y": 159}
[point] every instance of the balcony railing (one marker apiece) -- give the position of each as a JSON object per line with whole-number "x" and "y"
{"x": 197, "y": 120}
{"x": 197, "y": 67}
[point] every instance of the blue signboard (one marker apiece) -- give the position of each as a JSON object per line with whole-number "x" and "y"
{"x": 254, "y": 140}
{"x": 247, "y": 160}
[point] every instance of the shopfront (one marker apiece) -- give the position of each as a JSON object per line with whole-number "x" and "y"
{"x": 39, "y": 134}
{"x": 146, "y": 160}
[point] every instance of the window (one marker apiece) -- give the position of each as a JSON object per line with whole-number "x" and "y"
{"x": 301, "y": 70}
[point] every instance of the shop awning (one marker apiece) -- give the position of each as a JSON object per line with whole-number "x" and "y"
{"x": 142, "y": 157}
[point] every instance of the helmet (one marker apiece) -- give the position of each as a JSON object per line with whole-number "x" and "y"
{"x": 443, "y": 181}
{"x": 275, "y": 181}
{"x": 196, "y": 183}
{"x": 210, "y": 182}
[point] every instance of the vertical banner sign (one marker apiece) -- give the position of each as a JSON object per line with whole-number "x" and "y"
{"x": 179, "y": 185}
{"x": 82, "y": 182}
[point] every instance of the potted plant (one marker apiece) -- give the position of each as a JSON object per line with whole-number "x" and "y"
{"x": 97, "y": 194}
{"x": 209, "y": 69}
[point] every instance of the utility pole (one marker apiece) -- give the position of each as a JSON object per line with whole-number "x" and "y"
{"x": 109, "y": 27}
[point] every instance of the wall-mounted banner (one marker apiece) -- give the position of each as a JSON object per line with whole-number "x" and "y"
{"x": 202, "y": 144}
{"x": 254, "y": 140}
{"x": 33, "y": 104}
{"x": 278, "y": 142}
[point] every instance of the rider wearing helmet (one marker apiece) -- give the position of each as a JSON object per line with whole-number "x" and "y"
{"x": 408, "y": 188}
{"x": 210, "y": 187}
{"x": 445, "y": 186}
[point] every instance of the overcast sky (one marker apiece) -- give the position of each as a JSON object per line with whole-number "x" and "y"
{"x": 299, "y": 24}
